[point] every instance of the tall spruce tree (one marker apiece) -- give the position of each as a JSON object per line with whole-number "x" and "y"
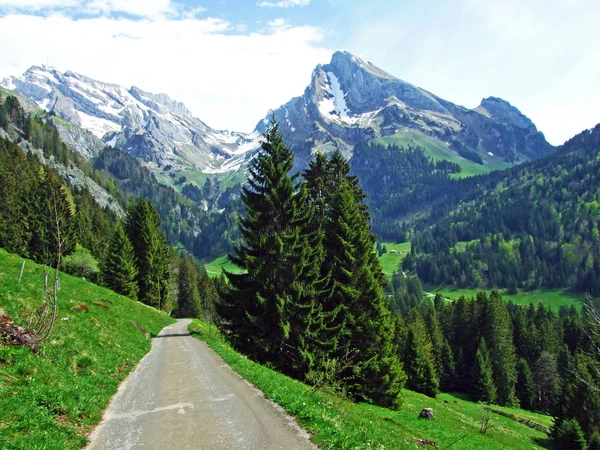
{"x": 355, "y": 312}
{"x": 119, "y": 270}
{"x": 525, "y": 387}
{"x": 483, "y": 383}
{"x": 579, "y": 398}
{"x": 142, "y": 224}
{"x": 269, "y": 312}
{"x": 189, "y": 303}
{"x": 496, "y": 328}
{"x": 419, "y": 366}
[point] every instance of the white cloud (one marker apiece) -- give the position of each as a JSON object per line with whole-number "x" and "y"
{"x": 227, "y": 79}
{"x": 37, "y": 5}
{"x": 278, "y": 24}
{"x": 139, "y": 8}
{"x": 284, "y": 3}
{"x": 142, "y": 8}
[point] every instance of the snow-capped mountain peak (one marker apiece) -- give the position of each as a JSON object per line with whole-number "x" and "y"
{"x": 150, "y": 126}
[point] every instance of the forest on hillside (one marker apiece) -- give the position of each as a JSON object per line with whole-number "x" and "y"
{"x": 535, "y": 225}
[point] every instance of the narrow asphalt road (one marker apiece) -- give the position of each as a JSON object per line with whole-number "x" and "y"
{"x": 183, "y": 396}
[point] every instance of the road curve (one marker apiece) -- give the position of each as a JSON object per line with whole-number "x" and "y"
{"x": 183, "y": 396}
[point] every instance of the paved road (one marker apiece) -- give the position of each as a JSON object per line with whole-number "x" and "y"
{"x": 183, "y": 396}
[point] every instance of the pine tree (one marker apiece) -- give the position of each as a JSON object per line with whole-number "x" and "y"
{"x": 119, "y": 270}
{"x": 418, "y": 366}
{"x": 142, "y": 224}
{"x": 18, "y": 179}
{"x": 483, "y": 382}
{"x": 189, "y": 303}
{"x": 569, "y": 436}
{"x": 525, "y": 387}
{"x": 594, "y": 441}
{"x": 268, "y": 313}
{"x": 447, "y": 372}
{"x": 496, "y": 328}
{"x": 353, "y": 310}
{"x": 579, "y": 397}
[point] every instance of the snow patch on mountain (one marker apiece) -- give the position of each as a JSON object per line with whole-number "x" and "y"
{"x": 333, "y": 106}
{"x": 96, "y": 125}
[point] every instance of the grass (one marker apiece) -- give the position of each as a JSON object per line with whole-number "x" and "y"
{"x": 334, "y": 422}
{"x": 54, "y": 399}
{"x": 216, "y": 266}
{"x": 390, "y": 262}
{"x": 437, "y": 150}
{"x": 554, "y": 298}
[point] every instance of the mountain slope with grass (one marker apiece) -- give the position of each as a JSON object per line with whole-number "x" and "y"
{"x": 334, "y": 422}
{"x": 534, "y": 225}
{"x": 52, "y": 400}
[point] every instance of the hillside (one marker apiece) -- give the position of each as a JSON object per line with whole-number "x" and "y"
{"x": 334, "y": 422}
{"x": 111, "y": 177}
{"x": 535, "y": 225}
{"x": 54, "y": 399}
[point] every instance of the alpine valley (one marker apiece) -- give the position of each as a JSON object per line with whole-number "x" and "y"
{"x": 375, "y": 218}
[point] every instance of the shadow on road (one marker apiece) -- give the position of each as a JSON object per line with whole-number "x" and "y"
{"x": 173, "y": 335}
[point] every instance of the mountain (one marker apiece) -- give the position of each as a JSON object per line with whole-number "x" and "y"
{"x": 350, "y": 101}
{"x": 152, "y": 127}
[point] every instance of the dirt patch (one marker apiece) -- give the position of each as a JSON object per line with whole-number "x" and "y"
{"x": 82, "y": 307}
{"x": 12, "y": 334}
{"x": 102, "y": 305}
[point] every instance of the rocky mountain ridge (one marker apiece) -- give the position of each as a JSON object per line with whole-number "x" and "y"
{"x": 152, "y": 127}
{"x": 348, "y": 101}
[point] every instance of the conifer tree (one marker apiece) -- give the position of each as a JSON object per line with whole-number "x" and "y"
{"x": 447, "y": 372}
{"x": 189, "y": 303}
{"x": 483, "y": 382}
{"x": 579, "y": 398}
{"x": 418, "y": 366}
{"x": 525, "y": 387}
{"x": 496, "y": 328}
{"x": 119, "y": 270}
{"x": 142, "y": 224}
{"x": 354, "y": 308}
{"x": 269, "y": 311}
{"x": 569, "y": 436}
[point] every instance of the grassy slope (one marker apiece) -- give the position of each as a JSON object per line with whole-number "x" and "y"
{"x": 216, "y": 266}
{"x": 438, "y": 150}
{"x": 337, "y": 423}
{"x": 554, "y": 298}
{"x": 52, "y": 400}
{"x": 390, "y": 262}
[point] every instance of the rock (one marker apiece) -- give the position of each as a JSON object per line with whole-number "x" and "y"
{"x": 426, "y": 413}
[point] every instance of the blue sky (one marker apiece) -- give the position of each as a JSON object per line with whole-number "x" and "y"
{"x": 231, "y": 61}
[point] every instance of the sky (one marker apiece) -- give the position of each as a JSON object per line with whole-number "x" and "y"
{"x": 231, "y": 61}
